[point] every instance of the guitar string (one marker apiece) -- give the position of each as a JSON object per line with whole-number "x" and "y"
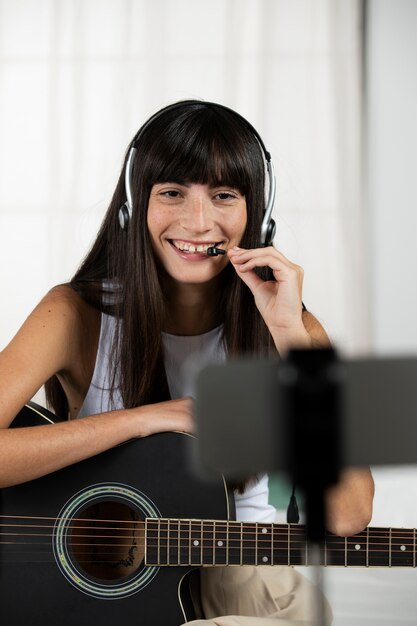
{"x": 203, "y": 532}
{"x": 208, "y": 536}
{"x": 184, "y": 545}
{"x": 200, "y": 531}
{"x": 182, "y": 558}
{"x": 202, "y": 525}
{"x": 184, "y": 548}
{"x": 173, "y": 545}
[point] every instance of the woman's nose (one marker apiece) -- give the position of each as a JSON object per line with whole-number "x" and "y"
{"x": 197, "y": 214}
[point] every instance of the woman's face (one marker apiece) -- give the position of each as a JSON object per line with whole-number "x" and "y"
{"x": 185, "y": 219}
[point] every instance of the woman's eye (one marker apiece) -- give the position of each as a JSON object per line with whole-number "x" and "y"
{"x": 225, "y": 195}
{"x": 171, "y": 193}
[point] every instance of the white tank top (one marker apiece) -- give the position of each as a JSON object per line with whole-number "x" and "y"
{"x": 183, "y": 358}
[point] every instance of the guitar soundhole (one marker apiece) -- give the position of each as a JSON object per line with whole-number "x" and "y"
{"x": 107, "y": 540}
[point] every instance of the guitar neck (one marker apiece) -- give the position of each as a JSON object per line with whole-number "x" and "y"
{"x": 212, "y": 542}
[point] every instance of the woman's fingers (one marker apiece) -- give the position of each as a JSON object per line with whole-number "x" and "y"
{"x": 279, "y": 300}
{"x": 283, "y": 269}
{"x": 167, "y": 416}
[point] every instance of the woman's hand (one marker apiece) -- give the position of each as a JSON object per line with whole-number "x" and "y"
{"x": 280, "y": 301}
{"x": 172, "y": 415}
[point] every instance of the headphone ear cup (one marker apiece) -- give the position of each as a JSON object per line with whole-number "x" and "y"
{"x": 270, "y": 234}
{"x": 124, "y": 217}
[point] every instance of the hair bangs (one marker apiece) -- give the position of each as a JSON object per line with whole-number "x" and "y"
{"x": 211, "y": 154}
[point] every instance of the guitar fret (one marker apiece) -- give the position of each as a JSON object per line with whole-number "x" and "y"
{"x": 164, "y": 557}
{"x": 189, "y": 542}
{"x": 325, "y": 550}
{"x": 168, "y": 542}
{"x": 183, "y": 542}
{"x": 195, "y": 540}
{"x": 159, "y": 542}
{"x": 234, "y": 551}
{"x": 149, "y": 552}
{"x": 249, "y": 548}
{"x": 220, "y": 544}
{"x": 179, "y": 543}
{"x": 390, "y": 546}
{"x": 207, "y": 542}
{"x": 367, "y": 547}
{"x": 273, "y": 541}
{"x": 173, "y": 542}
{"x": 201, "y": 541}
{"x": 288, "y": 544}
{"x": 345, "y": 551}
{"x": 414, "y": 548}
{"x": 356, "y": 550}
{"x": 241, "y": 543}
{"x": 402, "y": 547}
{"x": 214, "y": 543}
{"x": 297, "y": 549}
{"x": 280, "y": 543}
{"x": 264, "y": 543}
{"x": 227, "y": 543}
{"x": 336, "y": 550}
{"x": 378, "y": 547}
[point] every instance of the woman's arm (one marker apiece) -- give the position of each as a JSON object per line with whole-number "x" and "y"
{"x": 30, "y": 452}
{"x": 49, "y": 343}
{"x": 349, "y": 503}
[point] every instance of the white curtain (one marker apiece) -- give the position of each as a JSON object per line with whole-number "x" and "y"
{"x": 79, "y": 77}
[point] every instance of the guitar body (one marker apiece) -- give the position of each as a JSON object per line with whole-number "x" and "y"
{"x": 72, "y": 542}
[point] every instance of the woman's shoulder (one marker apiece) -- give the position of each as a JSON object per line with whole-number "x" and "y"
{"x": 63, "y": 302}
{"x": 60, "y": 327}
{"x": 58, "y": 330}
{"x": 65, "y": 298}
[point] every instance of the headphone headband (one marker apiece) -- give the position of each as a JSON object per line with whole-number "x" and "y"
{"x": 268, "y": 224}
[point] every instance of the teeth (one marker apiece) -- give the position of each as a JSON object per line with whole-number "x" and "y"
{"x": 189, "y": 247}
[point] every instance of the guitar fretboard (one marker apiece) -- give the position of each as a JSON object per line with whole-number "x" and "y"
{"x": 211, "y": 542}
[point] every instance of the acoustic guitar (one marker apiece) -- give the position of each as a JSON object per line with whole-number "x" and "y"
{"x": 114, "y": 538}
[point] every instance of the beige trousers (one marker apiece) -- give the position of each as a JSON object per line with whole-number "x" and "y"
{"x": 258, "y": 596}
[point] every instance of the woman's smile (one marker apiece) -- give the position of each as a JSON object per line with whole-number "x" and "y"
{"x": 193, "y": 250}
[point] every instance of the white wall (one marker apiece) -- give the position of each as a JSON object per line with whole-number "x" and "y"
{"x": 387, "y": 597}
{"x": 392, "y": 167}
{"x": 392, "y": 182}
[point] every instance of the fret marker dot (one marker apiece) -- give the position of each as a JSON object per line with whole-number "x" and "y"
{"x": 403, "y": 548}
{"x": 265, "y": 559}
{"x": 264, "y": 530}
{"x": 196, "y": 542}
{"x": 357, "y": 547}
{"x": 220, "y": 543}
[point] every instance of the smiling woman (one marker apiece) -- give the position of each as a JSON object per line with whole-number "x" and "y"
{"x": 115, "y": 346}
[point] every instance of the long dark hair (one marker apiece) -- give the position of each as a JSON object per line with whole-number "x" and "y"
{"x": 193, "y": 142}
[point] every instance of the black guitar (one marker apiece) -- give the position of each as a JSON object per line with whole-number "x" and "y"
{"x": 114, "y": 538}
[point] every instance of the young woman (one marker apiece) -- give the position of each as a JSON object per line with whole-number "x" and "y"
{"x": 109, "y": 344}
